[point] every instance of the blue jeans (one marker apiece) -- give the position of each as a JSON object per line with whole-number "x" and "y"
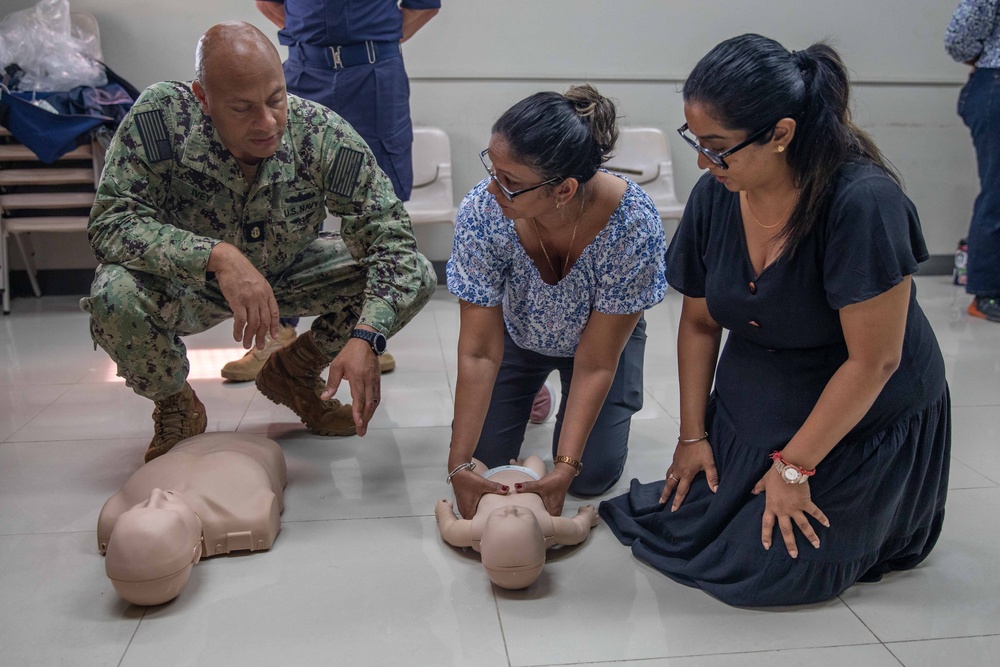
{"x": 523, "y": 372}
{"x": 979, "y": 107}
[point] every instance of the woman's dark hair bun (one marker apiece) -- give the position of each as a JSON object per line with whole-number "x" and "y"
{"x": 600, "y": 114}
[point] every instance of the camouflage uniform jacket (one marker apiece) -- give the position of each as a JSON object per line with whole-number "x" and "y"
{"x": 171, "y": 191}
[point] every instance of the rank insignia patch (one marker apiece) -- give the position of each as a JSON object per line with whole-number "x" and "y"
{"x": 253, "y": 233}
{"x": 346, "y": 167}
{"x": 153, "y": 131}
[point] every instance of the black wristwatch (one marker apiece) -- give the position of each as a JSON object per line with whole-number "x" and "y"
{"x": 374, "y": 338}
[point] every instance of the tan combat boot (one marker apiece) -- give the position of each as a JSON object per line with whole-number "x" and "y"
{"x": 386, "y": 363}
{"x": 176, "y": 418}
{"x": 246, "y": 368}
{"x": 291, "y": 377}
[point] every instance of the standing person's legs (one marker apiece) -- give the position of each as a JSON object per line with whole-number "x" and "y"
{"x": 980, "y": 109}
{"x": 607, "y": 447}
{"x": 375, "y": 100}
{"x": 522, "y": 372}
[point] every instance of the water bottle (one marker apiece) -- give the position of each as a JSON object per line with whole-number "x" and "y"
{"x": 961, "y": 262}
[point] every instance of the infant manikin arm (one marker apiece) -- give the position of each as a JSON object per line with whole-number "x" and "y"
{"x": 456, "y": 532}
{"x": 575, "y": 530}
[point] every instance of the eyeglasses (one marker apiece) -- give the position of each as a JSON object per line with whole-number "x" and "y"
{"x": 718, "y": 159}
{"x": 507, "y": 193}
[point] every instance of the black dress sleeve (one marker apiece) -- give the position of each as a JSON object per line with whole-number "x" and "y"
{"x": 872, "y": 237}
{"x": 686, "y": 267}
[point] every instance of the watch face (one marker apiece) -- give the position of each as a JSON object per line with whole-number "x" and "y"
{"x": 791, "y": 474}
{"x": 379, "y": 343}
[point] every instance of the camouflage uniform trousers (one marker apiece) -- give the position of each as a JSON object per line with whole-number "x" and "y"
{"x": 138, "y": 318}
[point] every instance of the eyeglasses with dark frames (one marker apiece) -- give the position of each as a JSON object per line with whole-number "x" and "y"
{"x": 719, "y": 159}
{"x": 507, "y": 193}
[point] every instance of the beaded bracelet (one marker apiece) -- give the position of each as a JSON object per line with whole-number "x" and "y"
{"x": 471, "y": 465}
{"x": 778, "y": 458}
{"x": 688, "y": 442}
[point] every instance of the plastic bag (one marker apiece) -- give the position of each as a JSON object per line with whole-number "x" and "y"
{"x": 41, "y": 41}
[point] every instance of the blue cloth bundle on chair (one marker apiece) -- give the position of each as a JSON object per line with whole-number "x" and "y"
{"x": 49, "y": 135}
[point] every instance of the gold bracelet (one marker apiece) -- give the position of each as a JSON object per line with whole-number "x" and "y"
{"x": 571, "y": 461}
{"x": 688, "y": 442}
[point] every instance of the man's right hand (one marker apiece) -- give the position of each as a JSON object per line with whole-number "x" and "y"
{"x": 248, "y": 294}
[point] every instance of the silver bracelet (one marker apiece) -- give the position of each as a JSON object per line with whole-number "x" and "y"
{"x": 688, "y": 442}
{"x": 471, "y": 465}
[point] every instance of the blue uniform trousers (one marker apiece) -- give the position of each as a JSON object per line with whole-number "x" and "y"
{"x": 374, "y": 99}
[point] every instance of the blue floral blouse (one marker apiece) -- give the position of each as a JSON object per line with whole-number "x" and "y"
{"x": 974, "y": 31}
{"x": 622, "y": 271}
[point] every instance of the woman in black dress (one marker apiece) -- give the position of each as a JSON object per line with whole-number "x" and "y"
{"x": 820, "y": 457}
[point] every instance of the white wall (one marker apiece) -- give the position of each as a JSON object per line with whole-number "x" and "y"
{"x": 476, "y": 58}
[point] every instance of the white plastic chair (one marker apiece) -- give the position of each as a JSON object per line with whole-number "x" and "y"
{"x": 643, "y": 154}
{"x": 431, "y": 199}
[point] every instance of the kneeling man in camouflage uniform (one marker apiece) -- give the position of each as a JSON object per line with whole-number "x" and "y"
{"x": 210, "y": 207}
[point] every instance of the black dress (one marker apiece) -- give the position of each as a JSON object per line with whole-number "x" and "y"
{"x": 883, "y": 486}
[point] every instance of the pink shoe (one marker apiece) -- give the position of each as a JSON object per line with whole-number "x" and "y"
{"x": 543, "y": 405}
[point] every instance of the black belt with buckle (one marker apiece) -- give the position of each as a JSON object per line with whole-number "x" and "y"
{"x": 347, "y": 55}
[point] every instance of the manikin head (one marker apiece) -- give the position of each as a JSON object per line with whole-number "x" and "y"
{"x": 512, "y": 547}
{"x": 241, "y": 87}
{"x": 152, "y": 549}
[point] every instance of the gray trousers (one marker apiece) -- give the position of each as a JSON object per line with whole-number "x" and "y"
{"x": 138, "y": 318}
{"x": 523, "y": 372}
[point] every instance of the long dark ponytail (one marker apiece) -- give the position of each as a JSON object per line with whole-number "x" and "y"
{"x": 750, "y": 81}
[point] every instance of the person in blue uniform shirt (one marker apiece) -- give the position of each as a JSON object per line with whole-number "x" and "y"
{"x": 345, "y": 55}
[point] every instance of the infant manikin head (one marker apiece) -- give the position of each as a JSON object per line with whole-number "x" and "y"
{"x": 152, "y": 549}
{"x": 512, "y": 547}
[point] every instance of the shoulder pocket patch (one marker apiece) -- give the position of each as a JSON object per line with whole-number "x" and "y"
{"x": 346, "y": 168}
{"x": 153, "y": 131}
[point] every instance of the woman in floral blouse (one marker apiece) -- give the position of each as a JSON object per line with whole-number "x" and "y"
{"x": 554, "y": 261}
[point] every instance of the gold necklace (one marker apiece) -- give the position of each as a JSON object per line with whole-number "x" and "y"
{"x": 545, "y": 252}
{"x": 780, "y": 220}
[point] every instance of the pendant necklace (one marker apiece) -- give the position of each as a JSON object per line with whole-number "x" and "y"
{"x": 569, "y": 251}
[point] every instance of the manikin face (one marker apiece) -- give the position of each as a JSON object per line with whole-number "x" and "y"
{"x": 152, "y": 548}
{"x": 247, "y": 102}
{"x": 512, "y": 547}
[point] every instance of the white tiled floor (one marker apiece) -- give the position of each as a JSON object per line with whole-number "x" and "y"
{"x": 359, "y": 575}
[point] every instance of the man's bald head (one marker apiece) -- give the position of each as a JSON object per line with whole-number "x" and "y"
{"x": 241, "y": 88}
{"x": 232, "y": 45}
